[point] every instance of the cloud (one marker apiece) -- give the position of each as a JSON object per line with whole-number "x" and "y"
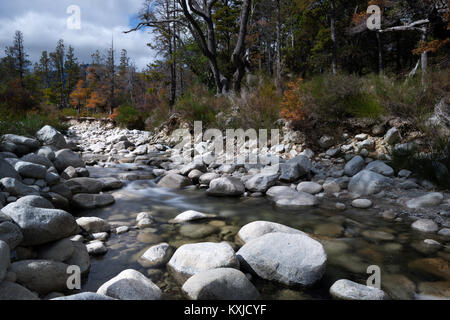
{"x": 44, "y": 22}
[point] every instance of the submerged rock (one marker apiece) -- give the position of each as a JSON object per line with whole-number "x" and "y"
{"x": 291, "y": 259}
{"x": 220, "y": 284}
{"x": 174, "y": 181}
{"x": 349, "y": 290}
{"x": 428, "y": 200}
{"x": 226, "y": 187}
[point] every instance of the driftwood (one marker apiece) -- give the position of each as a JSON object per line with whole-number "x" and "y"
{"x": 87, "y": 119}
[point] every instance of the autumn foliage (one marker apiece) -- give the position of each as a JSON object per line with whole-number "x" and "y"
{"x": 291, "y": 105}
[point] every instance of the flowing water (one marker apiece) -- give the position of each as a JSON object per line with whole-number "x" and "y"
{"x": 354, "y": 239}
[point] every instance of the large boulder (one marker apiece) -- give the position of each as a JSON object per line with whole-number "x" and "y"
{"x": 49, "y": 136}
{"x": 349, "y": 290}
{"x": 7, "y": 170}
{"x": 257, "y": 229}
{"x": 14, "y": 292}
{"x": 295, "y": 168}
{"x": 90, "y": 201}
{"x": 93, "y": 224}
{"x": 41, "y": 224}
{"x": 67, "y": 158}
{"x": 80, "y": 257}
{"x": 16, "y": 188}
{"x": 428, "y": 200}
{"x": 190, "y": 259}
{"x": 130, "y": 285}
{"x": 174, "y": 181}
{"x": 279, "y": 192}
{"x": 85, "y": 185}
{"x": 37, "y": 159}
{"x": 30, "y": 170}
{"x": 220, "y": 284}
{"x": 380, "y": 167}
{"x": 226, "y": 186}
{"x": 4, "y": 259}
{"x": 60, "y": 250}
{"x": 21, "y": 145}
{"x": 290, "y": 259}
{"x": 41, "y": 276}
{"x": 368, "y": 182}
{"x": 261, "y": 182}
{"x": 354, "y": 166}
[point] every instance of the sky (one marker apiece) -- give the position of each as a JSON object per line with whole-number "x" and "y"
{"x": 44, "y": 22}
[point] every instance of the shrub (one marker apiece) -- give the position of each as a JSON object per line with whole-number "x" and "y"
{"x": 128, "y": 117}
{"x": 292, "y": 107}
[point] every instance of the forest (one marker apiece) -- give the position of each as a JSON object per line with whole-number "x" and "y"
{"x": 249, "y": 62}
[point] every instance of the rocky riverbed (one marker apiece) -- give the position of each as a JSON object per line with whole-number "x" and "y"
{"x": 138, "y": 225}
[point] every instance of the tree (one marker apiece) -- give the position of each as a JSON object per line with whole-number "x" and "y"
{"x": 111, "y": 77}
{"x": 79, "y": 95}
{"x": 72, "y": 70}
{"x": 58, "y": 58}
{"x": 18, "y": 58}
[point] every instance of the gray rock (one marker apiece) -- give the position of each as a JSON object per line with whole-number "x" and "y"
{"x": 195, "y": 165}
{"x": 404, "y": 173}
{"x": 349, "y": 290}
{"x": 295, "y": 168}
{"x": 425, "y": 225}
{"x": 41, "y": 276}
{"x": 191, "y": 259}
{"x": 37, "y": 159}
{"x": 290, "y": 259}
{"x": 84, "y": 296}
{"x": 13, "y": 291}
{"x": 7, "y": 170}
{"x": 62, "y": 190}
{"x": 52, "y": 178}
{"x": 354, "y": 166}
{"x": 309, "y": 187}
{"x": 362, "y": 203}
{"x": 111, "y": 183}
{"x": 226, "y": 186}
{"x": 96, "y": 248}
{"x": 16, "y": 188}
{"x": 208, "y": 177}
{"x": 24, "y": 145}
{"x": 192, "y": 215}
{"x": 156, "y": 256}
{"x": 61, "y": 251}
{"x": 67, "y": 158}
{"x": 425, "y": 201}
{"x": 368, "y": 182}
{"x": 41, "y": 225}
{"x": 174, "y": 181}
{"x": 392, "y": 136}
{"x": 220, "y": 284}
{"x": 93, "y": 224}
{"x": 91, "y": 201}
{"x": 5, "y": 259}
{"x": 10, "y": 233}
{"x": 49, "y": 136}
{"x": 85, "y": 185}
{"x": 261, "y": 182}
{"x": 46, "y": 152}
{"x": 69, "y": 173}
{"x": 326, "y": 142}
{"x": 80, "y": 257}
{"x": 130, "y": 285}
{"x": 257, "y": 229}
{"x": 296, "y": 200}
{"x": 331, "y": 187}
{"x": 445, "y": 232}
{"x": 381, "y": 168}
{"x": 280, "y": 192}
{"x": 30, "y": 170}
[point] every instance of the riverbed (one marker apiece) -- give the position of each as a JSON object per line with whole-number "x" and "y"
{"x": 354, "y": 239}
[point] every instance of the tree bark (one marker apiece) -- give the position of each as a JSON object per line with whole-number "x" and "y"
{"x": 333, "y": 36}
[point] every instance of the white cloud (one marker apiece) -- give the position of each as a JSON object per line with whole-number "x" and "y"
{"x": 44, "y": 22}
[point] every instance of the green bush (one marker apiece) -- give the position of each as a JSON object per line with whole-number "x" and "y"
{"x": 336, "y": 97}
{"x": 27, "y": 124}
{"x": 127, "y": 116}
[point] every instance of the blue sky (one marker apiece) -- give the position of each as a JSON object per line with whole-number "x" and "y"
{"x": 44, "y": 22}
